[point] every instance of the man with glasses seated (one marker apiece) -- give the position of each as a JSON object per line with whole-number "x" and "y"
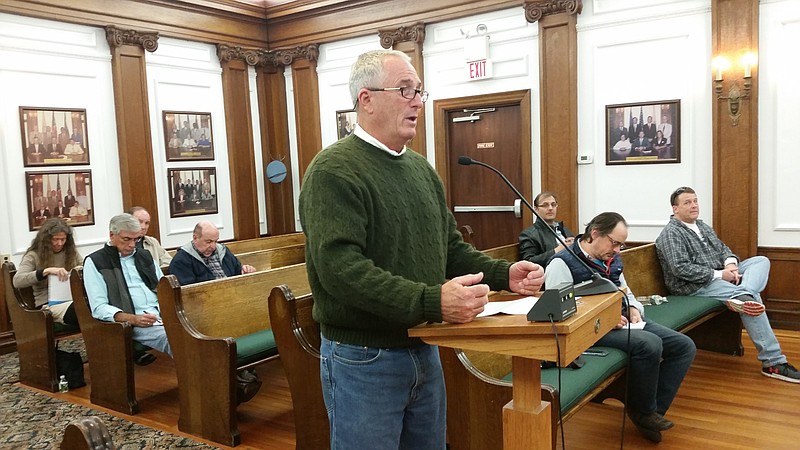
{"x": 537, "y": 243}
{"x": 659, "y": 356}
{"x": 696, "y": 262}
{"x": 121, "y": 281}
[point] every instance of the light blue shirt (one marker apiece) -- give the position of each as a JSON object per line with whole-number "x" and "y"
{"x": 96, "y": 289}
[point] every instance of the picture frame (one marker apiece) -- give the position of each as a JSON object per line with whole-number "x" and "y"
{"x": 53, "y": 136}
{"x": 188, "y": 136}
{"x": 192, "y": 191}
{"x": 345, "y": 122}
{"x": 659, "y": 123}
{"x": 65, "y": 194}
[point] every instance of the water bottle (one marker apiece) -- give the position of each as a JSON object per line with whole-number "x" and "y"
{"x": 63, "y": 385}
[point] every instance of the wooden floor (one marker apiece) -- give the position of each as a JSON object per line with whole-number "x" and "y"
{"x": 724, "y": 403}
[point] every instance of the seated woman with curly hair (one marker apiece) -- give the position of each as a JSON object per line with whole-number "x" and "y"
{"x": 52, "y": 252}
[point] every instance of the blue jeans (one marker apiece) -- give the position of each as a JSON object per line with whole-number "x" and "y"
{"x": 154, "y": 337}
{"x": 380, "y": 398}
{"x": 659, "y": 359}
{"x": 755, "y": 272}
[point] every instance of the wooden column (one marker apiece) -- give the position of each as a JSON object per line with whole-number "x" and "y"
{"x": 275, "y": 143}
{"x": 409, "y": 41}
{"x": 303, "y": 60}
{"x": 558, "y": 100}
{"x": 241, "y": 159}
{"x": 734, "y": 25}
{"x": 129, "y": 77}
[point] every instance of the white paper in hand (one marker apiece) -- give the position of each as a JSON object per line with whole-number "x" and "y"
{"x": 58, "y": 291}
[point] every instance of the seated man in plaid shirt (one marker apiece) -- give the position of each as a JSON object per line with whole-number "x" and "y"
{"x": 696, "y": 262}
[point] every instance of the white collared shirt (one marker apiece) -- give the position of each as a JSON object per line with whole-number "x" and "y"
{"x": 361, "y": 133}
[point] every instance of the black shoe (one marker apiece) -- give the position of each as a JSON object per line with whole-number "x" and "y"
{"x": 247, "y": 385}
{"x": 785, "y": 372}
{"x": 145, "y": 359}
{"x": 651, "y": 421}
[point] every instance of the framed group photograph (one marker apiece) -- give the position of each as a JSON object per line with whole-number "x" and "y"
{"x": 192, "y": 191}
{"x": 345, "y": 122}
{"x": 53, "y": 136}
{"x": 188, "y": 136}
{"x": 60, "y": 194}
{"x": 643, "y": 133}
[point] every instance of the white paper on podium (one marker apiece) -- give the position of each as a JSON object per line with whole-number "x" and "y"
{"x": 57, "y": 290}
{"x": 519, "y": 307}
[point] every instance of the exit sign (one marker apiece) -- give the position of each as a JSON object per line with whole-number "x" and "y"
{"x": 479, "y": 70}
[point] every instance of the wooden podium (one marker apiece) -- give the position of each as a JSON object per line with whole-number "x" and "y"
{"x": 526, "y": 418}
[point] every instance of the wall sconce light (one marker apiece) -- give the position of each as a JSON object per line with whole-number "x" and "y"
{"x": 734, "y": 96}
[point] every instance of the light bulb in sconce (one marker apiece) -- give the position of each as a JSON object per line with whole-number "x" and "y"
{"x": 720, "y": 65}
{"x": 748, "y": 60}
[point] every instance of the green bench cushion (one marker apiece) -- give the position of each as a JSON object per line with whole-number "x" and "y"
{"x": 680, "y": 311}
{"x": 577, "y": 383}
{"x": 255, "y": 347}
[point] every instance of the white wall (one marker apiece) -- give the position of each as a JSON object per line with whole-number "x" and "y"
{"x": 514, "y": 50}
{"x": 51, "y": 64}
{"x": 779, "y": 116}
{"x": 630, "y": 55}
{"x": 186, "y": 76}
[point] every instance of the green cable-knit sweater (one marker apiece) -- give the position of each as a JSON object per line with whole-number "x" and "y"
{"x": 380, "y": 242}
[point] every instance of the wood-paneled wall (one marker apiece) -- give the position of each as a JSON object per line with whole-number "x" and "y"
{"x": 734, "y": 32}
{"x": 734, "y": 29}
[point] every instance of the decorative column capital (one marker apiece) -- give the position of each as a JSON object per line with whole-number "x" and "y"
{"x": 414, "y": 33}
{"x": 536, "y": 10}
{"x": 285, "y": 56}
{"x": 227, "y": 53}
{"x": 117, "y": 37}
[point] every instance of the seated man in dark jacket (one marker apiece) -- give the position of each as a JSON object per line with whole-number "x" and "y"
{"x": 205, "y": 259}
{"x": 536, "y": 243}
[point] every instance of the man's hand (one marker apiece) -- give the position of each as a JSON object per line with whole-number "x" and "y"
{"x": 247, "y": 268}
{"x": 137, "y": 320}
{"x": 731, "y": 274}
{"x": 623, "y": 322}
{"x": 634, "y": 314}
{"x": 463, "y": 298}
{"x": 525, "y": 277}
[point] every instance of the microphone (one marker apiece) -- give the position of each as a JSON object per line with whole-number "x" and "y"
{"x": 598, "y": 284}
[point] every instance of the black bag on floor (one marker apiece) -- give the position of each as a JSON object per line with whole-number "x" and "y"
{"x": 71, "y": 366}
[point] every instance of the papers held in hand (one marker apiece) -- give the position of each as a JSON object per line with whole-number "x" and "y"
{"x": 57, "y": 291}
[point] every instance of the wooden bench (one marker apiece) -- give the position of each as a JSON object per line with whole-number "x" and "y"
{"x": 298, "y": 339}
{"x": 215, "y": 329}
{"x": 110, "y": 348}
{"x": 36, "y": 334}
{"x": 88, "y": 433}
{"x": 479, "y": 384}
{"x": 274, "y": 257}
{"x": 262, "y": 243}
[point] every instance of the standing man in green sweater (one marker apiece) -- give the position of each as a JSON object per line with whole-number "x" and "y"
{"x": 383, "y": 255}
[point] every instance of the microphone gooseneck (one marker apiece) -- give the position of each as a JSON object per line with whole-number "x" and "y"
{"x": 598, "y": 284}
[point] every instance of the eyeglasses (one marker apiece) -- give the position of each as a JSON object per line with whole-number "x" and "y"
{"x": 547, "y": 205}
{"x": 614, "y": 243}
{"x": 681, "y": 190}
{"x": 405, "y": 91}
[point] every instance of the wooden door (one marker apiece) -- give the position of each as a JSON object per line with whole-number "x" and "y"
{"x": 494, "y": 129}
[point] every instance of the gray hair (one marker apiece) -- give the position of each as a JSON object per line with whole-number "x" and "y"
{"x": 368, "y": 70}
{"x": 124, "y": 222}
